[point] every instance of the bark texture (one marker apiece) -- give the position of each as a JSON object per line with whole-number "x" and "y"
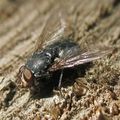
{"x": 94, "y": 95}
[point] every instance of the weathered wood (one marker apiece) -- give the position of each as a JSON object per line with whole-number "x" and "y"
{"x": 96, "y": 95}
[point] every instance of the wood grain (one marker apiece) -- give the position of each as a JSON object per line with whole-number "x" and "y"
{"x": 97, "y": 22}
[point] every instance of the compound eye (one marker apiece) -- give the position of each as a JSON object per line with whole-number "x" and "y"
{"x": 27, "y": 74}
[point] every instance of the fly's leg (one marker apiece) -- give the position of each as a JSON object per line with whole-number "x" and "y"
{"x": 59, "y": 84}
{"x": 60, "y": 80}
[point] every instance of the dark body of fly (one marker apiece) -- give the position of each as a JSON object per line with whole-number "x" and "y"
{"x": 41, "y": 61}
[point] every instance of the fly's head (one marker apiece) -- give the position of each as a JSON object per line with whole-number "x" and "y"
{"x": 36, "y": 82}
{"x": 26, "y": 76}
{"x": 29, "y": 78}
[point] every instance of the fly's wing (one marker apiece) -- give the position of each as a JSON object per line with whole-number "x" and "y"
{"x": 79, "y": 59}
{"x": 57, "y": 28}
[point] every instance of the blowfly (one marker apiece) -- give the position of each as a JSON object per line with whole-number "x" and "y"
{"x": 55, "y": 50}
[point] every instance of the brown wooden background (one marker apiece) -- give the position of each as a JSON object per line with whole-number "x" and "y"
{"x": 94, "y": 96}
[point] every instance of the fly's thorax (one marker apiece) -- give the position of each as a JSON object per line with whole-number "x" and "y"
{"x": 39, "y": 63}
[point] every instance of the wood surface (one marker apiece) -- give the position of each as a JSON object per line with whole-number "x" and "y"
{"x": 95, "y": 95}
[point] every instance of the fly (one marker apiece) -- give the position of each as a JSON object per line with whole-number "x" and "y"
{"x": 55, "y": 50}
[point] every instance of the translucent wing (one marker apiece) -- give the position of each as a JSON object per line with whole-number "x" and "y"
{"x": 57, "y": 28}
{"x": 79, "y": 59}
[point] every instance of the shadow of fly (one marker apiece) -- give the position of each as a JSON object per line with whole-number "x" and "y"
{"x": 55, "y": 50}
